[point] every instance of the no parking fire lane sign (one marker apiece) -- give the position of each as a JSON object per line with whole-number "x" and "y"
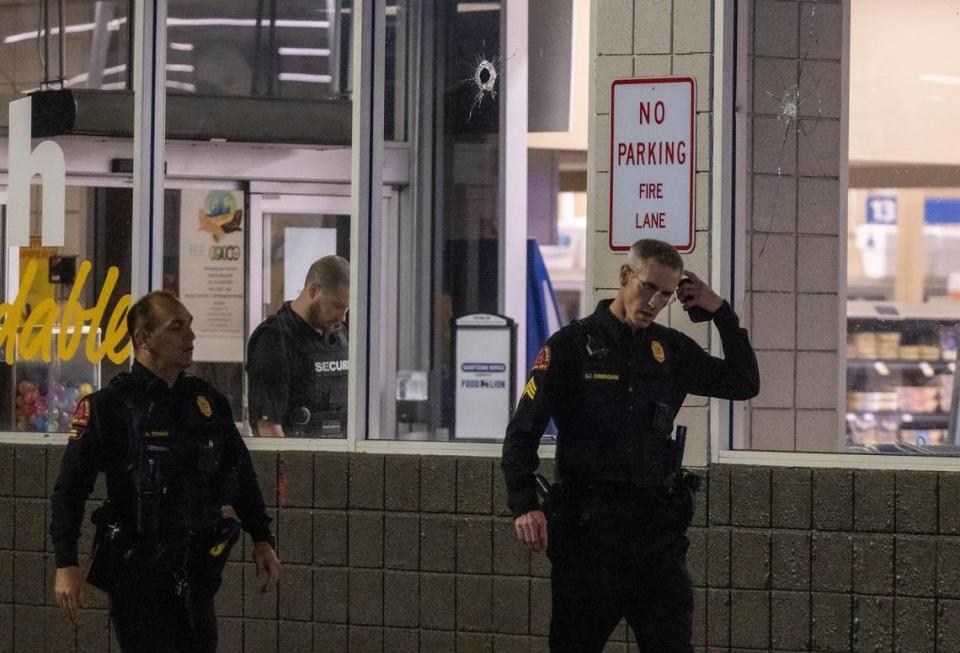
{"x": 652, "y": 158}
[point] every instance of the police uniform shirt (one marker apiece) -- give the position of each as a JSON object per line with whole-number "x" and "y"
{"x": 297, "y": 376}
{"x": 202, "y": 458}
{"x": 613, "y": 394}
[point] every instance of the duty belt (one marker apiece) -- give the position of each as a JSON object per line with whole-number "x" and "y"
{"x": 324, "y": 424}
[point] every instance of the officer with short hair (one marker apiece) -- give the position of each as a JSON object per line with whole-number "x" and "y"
{"x": 180, "y": 485}
{"x": 614, "y": 525}
{"x": 298, "y": 359}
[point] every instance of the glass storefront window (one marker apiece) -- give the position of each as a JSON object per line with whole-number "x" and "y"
{"x": 450, "y": 276}
{"x": 96, "y": 48}
{"x": 257, "y": 182}
{"x": 69, "y": 302}
{"x": 239, "y": 243}
{"x": 853, "y": 211}
{"x": 291, "y": 50}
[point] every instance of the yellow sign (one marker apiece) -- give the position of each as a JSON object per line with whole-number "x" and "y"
{"x": 35, "y": 334}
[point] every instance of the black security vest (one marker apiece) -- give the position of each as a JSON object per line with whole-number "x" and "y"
{"x": 318, "y": 368}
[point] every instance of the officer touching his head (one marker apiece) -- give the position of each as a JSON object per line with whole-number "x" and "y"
{"x": 297, "y": 359}
{"x": 180, "y": 486}
{"x": 614, "y": 525}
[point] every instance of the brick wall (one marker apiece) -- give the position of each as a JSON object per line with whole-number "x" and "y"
{"x": 792, "y": 208}
{"x": 649, "y": 38}
{"x": 395, "y": 553}
{"x": 410, "y": 553}
{"x": 792, "y": 219}
{"x": 831, "y": 560}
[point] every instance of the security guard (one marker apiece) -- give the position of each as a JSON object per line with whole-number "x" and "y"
{"x": 297, "y": 359}
{"x": 614, "y": 525}
{"x": 179, "y": 486}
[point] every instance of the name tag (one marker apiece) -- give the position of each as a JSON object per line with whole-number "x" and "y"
{"x": 600, "y": 376}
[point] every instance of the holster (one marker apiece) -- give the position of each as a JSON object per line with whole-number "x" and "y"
{"x": 685, "y": 486}
{"x": 219, "y": 541}
{"x": 109, "y": 549}
{"x": 211, "y": 551}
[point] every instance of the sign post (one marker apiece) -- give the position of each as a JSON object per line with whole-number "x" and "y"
{"x": 652, "y": 154}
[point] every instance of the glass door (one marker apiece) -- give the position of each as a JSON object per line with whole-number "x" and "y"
{"x": 294, "y": 231}
{"x": 288, "y": 233}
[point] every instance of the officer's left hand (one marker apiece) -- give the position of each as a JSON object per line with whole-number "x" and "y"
{"x": 531, "y": 530}
{"x": 268, "y": 566}
{"x": 68, "y": 588}
{"x": 693, "y": 291}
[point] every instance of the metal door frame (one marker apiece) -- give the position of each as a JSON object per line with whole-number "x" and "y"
{"x": 331, "y": 199}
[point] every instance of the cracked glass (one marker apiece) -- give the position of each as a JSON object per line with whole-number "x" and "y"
{"x": 448, "y": 259}
{"x": 853, "y": 198}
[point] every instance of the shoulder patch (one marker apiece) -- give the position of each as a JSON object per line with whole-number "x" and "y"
{"x": 530, "y": 390}
{"x": 658, "y": 352}
{"x": 81, "y": 418}
{"x": 542, "y": 362}
{"x": 204, "y": 405}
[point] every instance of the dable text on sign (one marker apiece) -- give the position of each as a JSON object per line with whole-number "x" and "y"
{"x": 652, "y": 161}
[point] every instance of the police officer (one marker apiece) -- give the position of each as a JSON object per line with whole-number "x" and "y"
{"x": 615, "y": 522}
{"x": 297, "y": 359}
{"x": 179, "y": 486}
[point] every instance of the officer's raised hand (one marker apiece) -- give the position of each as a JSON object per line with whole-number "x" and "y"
{"x": 531, "y": 529}
{"x": 68, "y": 588}
{"x": 693, "y": 291}
{"x": 268, "y": 566}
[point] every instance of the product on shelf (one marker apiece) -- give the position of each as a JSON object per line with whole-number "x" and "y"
{"x": 866, "y": 344}
{"x": 929, "y": 352}
{"x": 888, "y": 345}
{"x": 40, "y": 408}
{"x": 923, "y": 436}
{"x": 852, "y": 349}
{"x": 910, "y": 352}
{"x": 870, "y": 430}
{"x": 871, "y": 401}
{"x": 918, "y": 399}
{"x": 31, "y": 406}
{"x": 945, "y": 391}
{"x": 948, "y": 343}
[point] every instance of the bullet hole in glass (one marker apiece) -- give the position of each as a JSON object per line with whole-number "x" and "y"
{"x": 485, "y": 73}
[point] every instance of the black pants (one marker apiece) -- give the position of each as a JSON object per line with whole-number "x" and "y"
{"x": 149, "y": 617}
{"x": 620, "y": 560}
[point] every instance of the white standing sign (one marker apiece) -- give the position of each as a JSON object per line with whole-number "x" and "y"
{"x": 652, "y": 157}
{"x": 485, "y": 351}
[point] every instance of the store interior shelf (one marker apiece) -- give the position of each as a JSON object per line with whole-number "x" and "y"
{"x": 937, "y": 309}
{"x": 915, "y": 420}
{"x": 939, "y": 366}
{"x": 905, "y": 448}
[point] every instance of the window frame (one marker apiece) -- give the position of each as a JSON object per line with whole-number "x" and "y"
{"x": 728, "y": 174}
{"x": 368, "y": 154}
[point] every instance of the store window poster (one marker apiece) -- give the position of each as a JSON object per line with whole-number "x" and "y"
{"x": 212, "y": 259}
